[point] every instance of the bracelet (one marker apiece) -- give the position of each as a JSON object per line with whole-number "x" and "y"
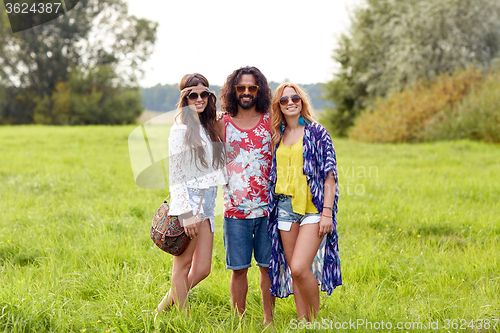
{"x": 326, "y": 215}
{"x": 328, "y": 208}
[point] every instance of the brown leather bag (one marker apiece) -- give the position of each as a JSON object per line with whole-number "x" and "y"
{"x": 168, "y": 233}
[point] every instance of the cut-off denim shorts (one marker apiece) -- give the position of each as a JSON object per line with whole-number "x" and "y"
{"x": 207, "y": 208}
{"x": 286, "y": 216}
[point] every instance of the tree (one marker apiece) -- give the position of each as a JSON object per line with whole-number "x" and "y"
{"x": 89, "y": 97}
{"x": 97, "y": 33}
{"x": 392, "y": 44}
{"x": 161, "y": 97}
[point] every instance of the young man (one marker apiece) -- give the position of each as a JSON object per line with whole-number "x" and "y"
{"x": 246, "y": 99}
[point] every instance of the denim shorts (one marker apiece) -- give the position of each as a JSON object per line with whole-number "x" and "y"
{"x": 244, "y": 236}
{"x": 207, "y": 208}
{"x": 286, "y": 216}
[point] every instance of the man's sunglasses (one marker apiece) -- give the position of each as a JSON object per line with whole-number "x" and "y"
{"x": 194, "y": 95}
{"x": 295, "y": 98}
{"x": 252, "y": 89}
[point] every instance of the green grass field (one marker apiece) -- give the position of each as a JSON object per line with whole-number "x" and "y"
{"x": 418, "y": 225}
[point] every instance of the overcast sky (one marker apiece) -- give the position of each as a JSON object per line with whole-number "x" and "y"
{"x": 284, "y": 39}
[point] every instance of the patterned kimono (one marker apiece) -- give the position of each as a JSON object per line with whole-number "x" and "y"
{"x": 319, "y": 159}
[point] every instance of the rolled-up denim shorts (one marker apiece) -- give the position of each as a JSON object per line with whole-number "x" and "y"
{"x": 286, "y": 216}
{"x": 207, "y": 208}
{"x": 244, "y": 236}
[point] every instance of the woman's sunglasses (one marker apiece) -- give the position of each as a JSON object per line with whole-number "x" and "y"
{"x": 194, "y": 96}
{"x": 295, "y": 98}
{"x": 252, "y": 89}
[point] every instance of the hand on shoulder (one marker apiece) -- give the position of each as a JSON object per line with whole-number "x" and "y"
{"x": 220, "y": 126}
{"x": 220, "y": 115}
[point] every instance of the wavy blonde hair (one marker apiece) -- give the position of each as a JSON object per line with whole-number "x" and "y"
{"x": 277, "y": 116}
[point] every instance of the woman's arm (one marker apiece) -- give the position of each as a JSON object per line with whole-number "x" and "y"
{"x": 325, "y": 223}
{"x": 329, "y": 166}
{"x": 179, "y": 202}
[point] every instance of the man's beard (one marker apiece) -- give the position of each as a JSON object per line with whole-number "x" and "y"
{"x": 246, "y": 105}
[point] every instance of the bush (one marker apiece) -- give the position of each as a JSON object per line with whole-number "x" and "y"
{"x": 413, "y": 115}
{"x": 476, "y": 117}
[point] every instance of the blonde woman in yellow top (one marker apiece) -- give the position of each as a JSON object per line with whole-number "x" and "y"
{"x": 302, "y": 203}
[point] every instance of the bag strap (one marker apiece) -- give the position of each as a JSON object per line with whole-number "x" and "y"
{"x": 201, "y": 200}
{"x": 199, "y": 205}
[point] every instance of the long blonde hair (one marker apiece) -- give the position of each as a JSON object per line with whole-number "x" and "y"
{"x": 277, "y": 116}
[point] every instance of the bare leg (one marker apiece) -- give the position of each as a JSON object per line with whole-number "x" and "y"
{"x": 179, "y": 280}
{"x": 199, "y": 254}
{"x": 238, "y": 289}
{"x": 202, "y": 258}
{"x": 306, "y": 247}
{"x": 289, "y": 238}
{"x": 268, "y": 301}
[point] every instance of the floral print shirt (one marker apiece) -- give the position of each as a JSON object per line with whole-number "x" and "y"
{"x": 248, "y": 164}
{"x": 319, "y": 159}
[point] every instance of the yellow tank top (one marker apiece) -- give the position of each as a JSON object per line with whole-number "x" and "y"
{"x": 290, "y": 178}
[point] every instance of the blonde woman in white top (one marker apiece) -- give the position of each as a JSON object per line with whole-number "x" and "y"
{"x": 196, "y": 163}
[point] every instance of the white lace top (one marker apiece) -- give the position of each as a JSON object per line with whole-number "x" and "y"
{"x": 184, "y": 173}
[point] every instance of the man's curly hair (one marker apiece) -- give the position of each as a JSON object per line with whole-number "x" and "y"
{"x": 229, "y": 99}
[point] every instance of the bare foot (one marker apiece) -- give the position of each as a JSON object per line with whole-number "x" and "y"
{"x": 268, "y": 324}
{"x": 165, "y": 303}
